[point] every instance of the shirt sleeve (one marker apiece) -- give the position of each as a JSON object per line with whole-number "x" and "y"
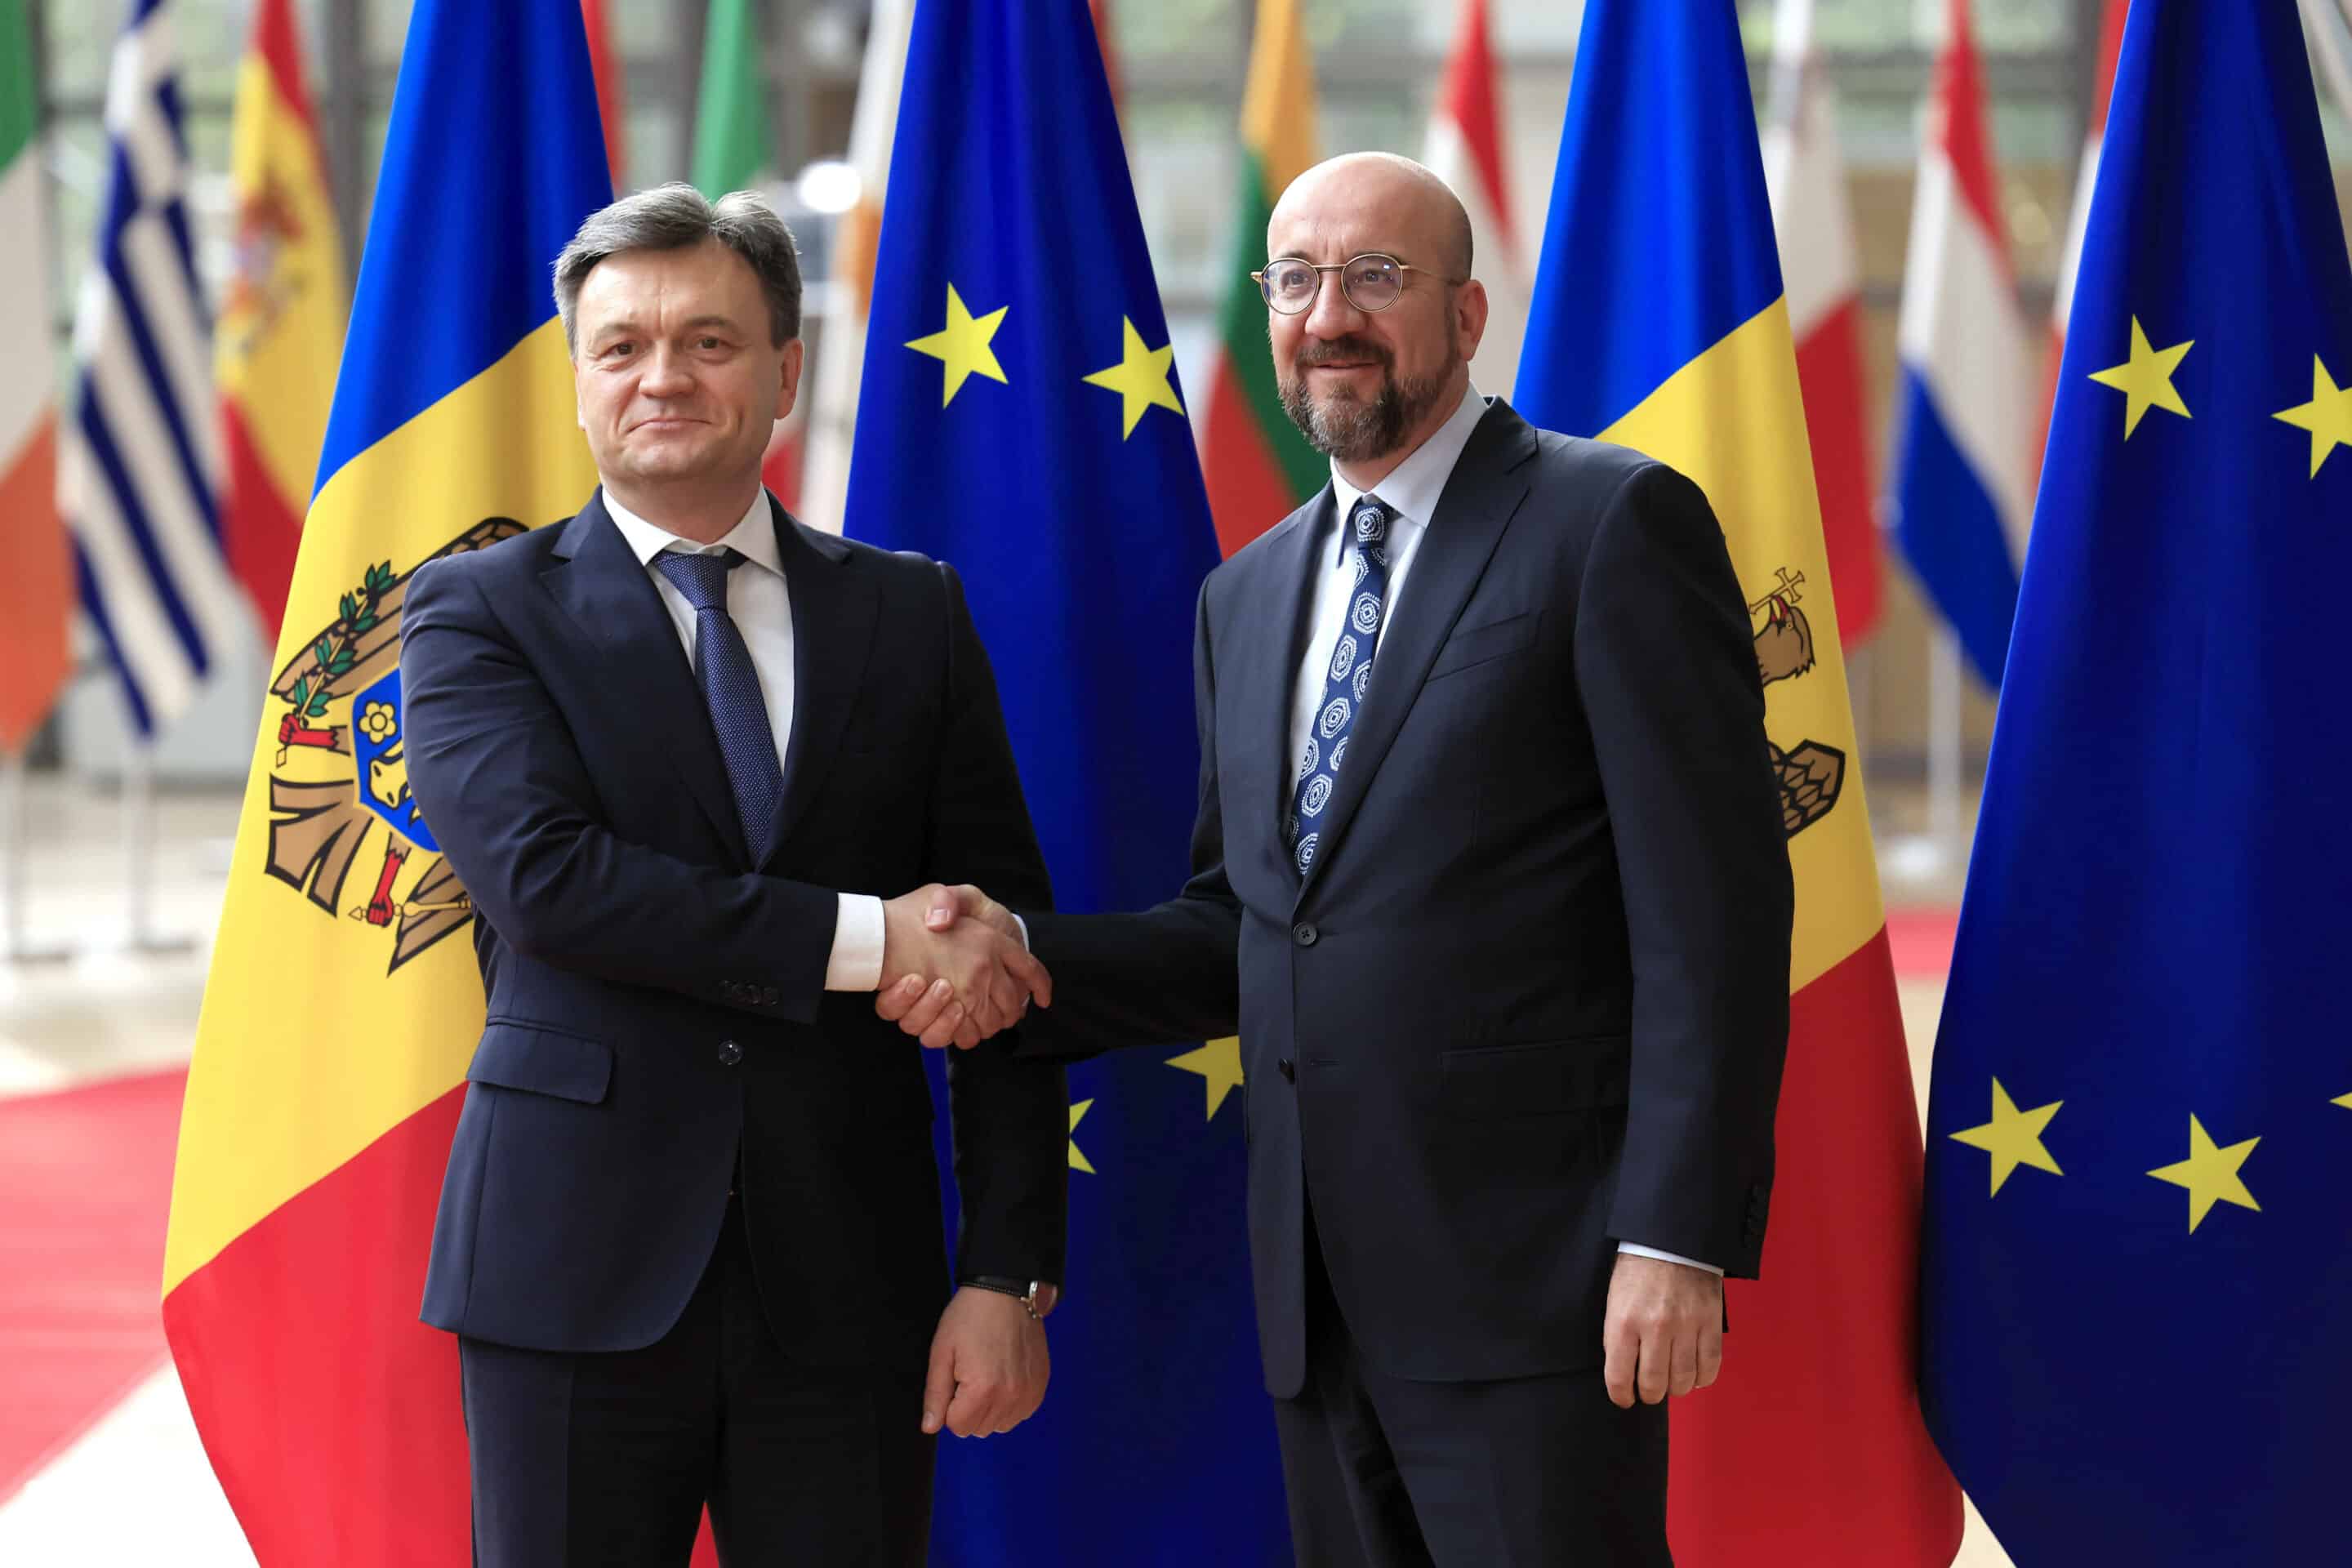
{"x": 1637, "y": 1250}
{"x": 858, "y": 932}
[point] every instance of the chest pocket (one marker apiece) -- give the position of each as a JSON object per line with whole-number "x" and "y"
{"x": 1489, "y": 641}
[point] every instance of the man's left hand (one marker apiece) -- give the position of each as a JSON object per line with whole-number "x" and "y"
{"x": 989, "y": 1366}
{"x": 1662, "y": 1332}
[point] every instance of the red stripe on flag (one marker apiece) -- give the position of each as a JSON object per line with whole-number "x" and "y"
{"x": 331, "y": 1413}
{"x": 1467, "y": 97}
{"x": 1959, "y": 121}
{"x": 610, "y": 104}
{"x": 1830, "y": 374}
{"x": 274, "y": 41}
{"x": 87, "y": 1175}
{"x": 1826, "y": 1343}
{"x": 1248, "y": 492}
{"x": 260, "y": 532}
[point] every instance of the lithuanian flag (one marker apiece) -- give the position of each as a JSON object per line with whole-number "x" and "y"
{"x": 1257, "y": 465}
{"x": 1660, "y": 323}
{"x": 343, "y": 1002}
{"x": 281, "y": 323}
{"x": 35, "y": 590}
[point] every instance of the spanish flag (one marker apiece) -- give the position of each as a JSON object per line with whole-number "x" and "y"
{"x": 1257, "y": 465}
{"x": 1660, "y": 322}
{"x": 343, "y": 1002}
{"x": 281, "y": 322}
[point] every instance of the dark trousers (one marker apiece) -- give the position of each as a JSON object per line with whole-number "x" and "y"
{"x": 607, "y": 1460}
{"x": 1531, "y": 1472}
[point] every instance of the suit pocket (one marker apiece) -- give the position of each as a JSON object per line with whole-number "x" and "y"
{"x": 1542, "y": 1078}
{"x": 1484, "y": 643}
{"x": 515, "y": 1055}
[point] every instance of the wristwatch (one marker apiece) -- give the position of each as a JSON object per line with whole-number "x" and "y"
{"x": 1036, "y": 1297}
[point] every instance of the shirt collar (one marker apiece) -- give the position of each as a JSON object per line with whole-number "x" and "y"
{"x": 754, "y": 536}
{"x": 1413, "y": 486}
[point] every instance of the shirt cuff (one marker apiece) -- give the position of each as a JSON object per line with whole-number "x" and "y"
{"x": 858, "y": 936}
{"x": 1024, "y": 931}
{"x": 1638, "y": 1250}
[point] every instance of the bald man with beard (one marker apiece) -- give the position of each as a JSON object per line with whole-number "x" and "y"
{"x": 1489, "y": 876}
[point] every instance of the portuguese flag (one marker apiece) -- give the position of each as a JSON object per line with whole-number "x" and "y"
{"x": 1257, "y": 465}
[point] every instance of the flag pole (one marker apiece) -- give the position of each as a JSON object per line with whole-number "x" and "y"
{"x": 1944, "y": 746}
{"x": 13, "y": 879}
{"x": 139, "y": 854}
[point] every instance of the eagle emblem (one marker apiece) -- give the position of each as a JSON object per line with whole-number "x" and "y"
{"x": 1811, "y": 774}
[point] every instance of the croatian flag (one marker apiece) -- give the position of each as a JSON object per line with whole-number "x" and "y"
{"x": 1963, "y": 491}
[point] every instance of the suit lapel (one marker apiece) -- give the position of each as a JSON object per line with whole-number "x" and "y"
{"x": 1479, "y": 498}
{"x": 603, "y": 586}
{"x": 1273, "y": 615}
{"x": 834, "y": 614}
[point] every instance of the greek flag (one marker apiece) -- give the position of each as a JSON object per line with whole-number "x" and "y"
{"x": 140, "y": 462}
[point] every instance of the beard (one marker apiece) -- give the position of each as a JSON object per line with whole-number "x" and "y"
{"x": 1353, "y": 429}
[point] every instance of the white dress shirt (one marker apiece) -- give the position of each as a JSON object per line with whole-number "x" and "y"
{"x": 1410, "y": 493}
{"x": 761, "y": 605}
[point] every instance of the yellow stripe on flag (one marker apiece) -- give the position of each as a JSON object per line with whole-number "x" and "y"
{"x": 1733, "y": 421}
{"x": 1279, "y": 101}
{"x": 309, "y": 1080}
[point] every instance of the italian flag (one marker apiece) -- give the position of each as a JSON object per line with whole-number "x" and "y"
{"x": 1257, "y": 466}
{"x": 34, "y": 586}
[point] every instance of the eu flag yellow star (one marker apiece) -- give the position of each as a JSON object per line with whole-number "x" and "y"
{"x": 1219, "y": 1063}
{"x": 2146, "y": 379}
{"x": 2209, "y": 1174}
{"x": 961, "y": 347}
{"x": 2328, "y": 414}
{"x": 1140, "y": 378}
{"x": 1077, "y": 1156}
{"x": 2013, "y": 1137}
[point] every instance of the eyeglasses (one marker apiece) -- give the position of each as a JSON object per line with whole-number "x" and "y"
{"x": 1370, "y": 282}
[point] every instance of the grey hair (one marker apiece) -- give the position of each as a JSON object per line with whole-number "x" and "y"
{"x": 672, "y": 218}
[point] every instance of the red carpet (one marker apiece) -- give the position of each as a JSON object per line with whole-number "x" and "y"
{"x": 1921, "y": 941}
{"x": 85, "y": 1185}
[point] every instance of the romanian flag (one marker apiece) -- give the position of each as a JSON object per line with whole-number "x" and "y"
{"x": 343, "y": 1002}
{"x": 1021, "y": 417}
{"x": 36, "y": 583}
{"x": 2139, "y": 1295}
{"x": 1257, "y": 466}
{"x": 281, "y": 323}
{"x": 1663, "y": 325}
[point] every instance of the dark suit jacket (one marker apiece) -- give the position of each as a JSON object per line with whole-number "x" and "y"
{"x": 1533, "y": 998}
{"x": 657, "y": 1003}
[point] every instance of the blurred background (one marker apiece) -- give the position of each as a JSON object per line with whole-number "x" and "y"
{"x": 116, "y": 854}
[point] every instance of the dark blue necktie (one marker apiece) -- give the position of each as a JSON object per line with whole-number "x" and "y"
{"x": 731, "y": 687}
{"x": 1345, "y": 681}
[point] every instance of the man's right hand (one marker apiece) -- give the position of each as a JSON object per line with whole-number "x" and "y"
{"x": 947, "y": 980}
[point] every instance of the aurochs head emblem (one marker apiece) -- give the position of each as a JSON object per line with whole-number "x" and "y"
{"x": 1812, "y": 775}
{"x": 334, "y": 781}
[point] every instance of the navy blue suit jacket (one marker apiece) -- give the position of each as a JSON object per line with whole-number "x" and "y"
{"x": 1532, "y": 1000}
{"x": 656, "y": 1002}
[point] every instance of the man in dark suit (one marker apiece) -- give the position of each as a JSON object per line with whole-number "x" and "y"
{"x": 1489, "y": 875}
{"x": 691, "y": 1235}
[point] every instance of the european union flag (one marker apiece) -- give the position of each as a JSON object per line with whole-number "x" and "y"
{"x": 2138, "y": 1294}
{"x": 1021, "y": 417}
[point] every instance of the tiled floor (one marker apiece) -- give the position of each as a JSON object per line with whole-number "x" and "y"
{"x": 133, "y": 1488}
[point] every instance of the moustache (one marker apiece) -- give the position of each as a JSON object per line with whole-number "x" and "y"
{"x": 1338, "y": 351}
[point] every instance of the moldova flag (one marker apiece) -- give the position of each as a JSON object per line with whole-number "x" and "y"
{"x": 1021, "y": 417}
{"x": 343, "y": 1002}
{"x": 1660, "y": 323}
{"x": 2139, "y": 1297}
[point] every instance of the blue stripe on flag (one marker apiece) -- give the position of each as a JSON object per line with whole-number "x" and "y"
{"x": 93, "y": 605}
{"x": 1658, "y": 246}
{"x": 519, "y": 71}
{"x": 1951, "y": 532}
{"x": 106, "y": 459}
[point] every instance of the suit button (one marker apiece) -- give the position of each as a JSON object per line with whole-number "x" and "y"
{"x": 1289, "y": 1071}
{"x": 1303, "y": 933}
{"x": 729, "y": 1053}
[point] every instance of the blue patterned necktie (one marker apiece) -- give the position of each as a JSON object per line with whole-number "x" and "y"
{"x": 731, "y": 687}
{"x": 1345, "y": 681}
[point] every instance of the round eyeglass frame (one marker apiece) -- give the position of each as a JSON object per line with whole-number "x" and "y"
{"x": 1266, "y": 285}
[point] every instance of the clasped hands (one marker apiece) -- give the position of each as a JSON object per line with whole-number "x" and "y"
{"x": 955, "y": 968}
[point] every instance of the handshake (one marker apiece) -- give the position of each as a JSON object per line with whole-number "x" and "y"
{"x": 956, "y": 967}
